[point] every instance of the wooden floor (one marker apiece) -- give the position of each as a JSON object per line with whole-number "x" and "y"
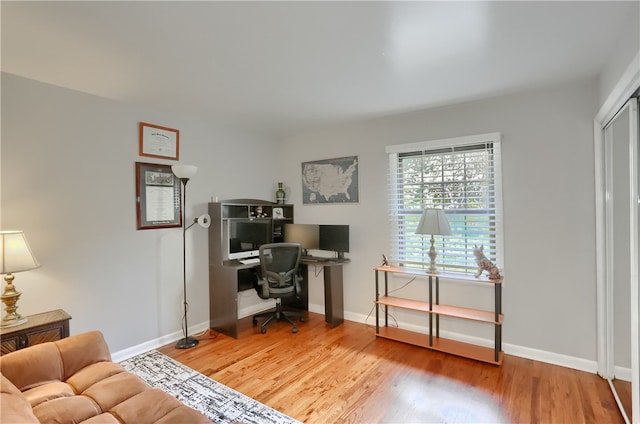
{"x": 347, "y": 375}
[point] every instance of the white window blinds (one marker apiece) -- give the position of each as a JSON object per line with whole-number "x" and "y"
{"x": 460, "y": 175}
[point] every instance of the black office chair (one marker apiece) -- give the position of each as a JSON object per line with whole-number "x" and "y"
{"x": 279, "y": 265}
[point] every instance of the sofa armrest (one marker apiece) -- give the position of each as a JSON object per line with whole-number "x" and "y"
{"x": 15, "y": 407}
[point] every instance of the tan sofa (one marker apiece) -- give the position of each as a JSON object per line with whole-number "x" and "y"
{"x": 74, "y": 381}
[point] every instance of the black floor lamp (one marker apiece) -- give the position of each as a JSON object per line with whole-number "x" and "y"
{"x": 185, "y": 172}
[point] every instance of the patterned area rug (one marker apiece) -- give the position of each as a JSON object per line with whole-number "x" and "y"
{"x": 215, "y": 400}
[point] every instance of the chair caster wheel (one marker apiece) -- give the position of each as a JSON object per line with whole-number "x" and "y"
{"x": 263, "y": 330}
{"x": 255, "y": 321}
{"x": 295, "y": 330}
{"x": 302, "y": 319}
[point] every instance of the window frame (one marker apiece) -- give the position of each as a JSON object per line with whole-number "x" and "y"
{"x": 401, "y": 219}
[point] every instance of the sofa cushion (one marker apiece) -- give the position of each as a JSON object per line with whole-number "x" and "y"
{"x": 92, "y": 374}
{"x": 152, "y": 405}
{"x": 73, "y": 409}
{"x": 80, "y": 352}
{"x": 115, "y": 389}
{"x": 31, "y": 367}
{"x": 48, "y": 391}
{"x": 105, "y": 418}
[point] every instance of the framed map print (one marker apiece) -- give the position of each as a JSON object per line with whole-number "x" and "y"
{"x": 330, "y": 181}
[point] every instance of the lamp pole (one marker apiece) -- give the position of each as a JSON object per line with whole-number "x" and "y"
{"x": 187, "y": 342}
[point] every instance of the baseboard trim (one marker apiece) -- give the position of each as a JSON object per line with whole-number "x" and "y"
{"x": 567, "y": 361}
{"x": 121, "y": 355}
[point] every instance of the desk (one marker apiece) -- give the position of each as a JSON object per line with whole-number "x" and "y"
{"x": 227, "y": 278}
{"x": 333, "y": 294}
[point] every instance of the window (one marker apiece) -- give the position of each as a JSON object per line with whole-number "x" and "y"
{"x": 461, "y": 175}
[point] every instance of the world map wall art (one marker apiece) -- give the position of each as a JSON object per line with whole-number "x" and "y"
{"x": 330, "y": 181}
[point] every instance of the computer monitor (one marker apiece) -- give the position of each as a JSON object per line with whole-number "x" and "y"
{"x": 305, "y": 234}
{"x": 246, "y": 237}
{"x": 334, "y": 238}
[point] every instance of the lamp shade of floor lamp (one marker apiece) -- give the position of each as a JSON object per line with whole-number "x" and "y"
{"x": 184, "y": 173}
{"x": 435, "y": 223}
{"x": 15, "y": 256}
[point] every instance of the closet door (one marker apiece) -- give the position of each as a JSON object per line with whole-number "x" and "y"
{"x": 621, "y": 214}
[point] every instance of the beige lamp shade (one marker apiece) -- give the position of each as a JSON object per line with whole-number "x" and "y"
{"x": 15, "y": 256}
{"x": 15, "y": 253}
{"x": 434, "y": 222}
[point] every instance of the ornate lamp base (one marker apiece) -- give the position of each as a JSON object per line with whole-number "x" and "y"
{"x": 432, "y": 255}
{"x": 10, "y": 299}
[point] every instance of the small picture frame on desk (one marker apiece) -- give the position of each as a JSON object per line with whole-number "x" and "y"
{"x": 278, "y": 213}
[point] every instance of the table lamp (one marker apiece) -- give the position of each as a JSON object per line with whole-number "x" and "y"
{"x": 15, "y": 256}
{"x": 434, "y": 222}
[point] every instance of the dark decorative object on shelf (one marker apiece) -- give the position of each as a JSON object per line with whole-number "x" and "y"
{"x": 281, "y": 196}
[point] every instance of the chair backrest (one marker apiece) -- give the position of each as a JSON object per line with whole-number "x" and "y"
{"x": 279, "y": 263}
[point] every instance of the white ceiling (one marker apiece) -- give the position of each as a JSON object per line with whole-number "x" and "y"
{"x": 282, "y": 67}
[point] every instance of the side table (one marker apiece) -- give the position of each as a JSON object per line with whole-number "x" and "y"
{"x": 40, "y": 328}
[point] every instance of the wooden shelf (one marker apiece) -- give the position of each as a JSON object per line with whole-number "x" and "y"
{"x": 467, "y": 350}
{"x": 446, "y": 310}
{"x": 444, "y": 275}
{"x": 491, "y": 355}
{"x": 399, "y": 302}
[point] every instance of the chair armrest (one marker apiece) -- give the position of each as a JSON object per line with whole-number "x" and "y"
{"x": 297, "y": 283}
{"x": 263, "y": 289}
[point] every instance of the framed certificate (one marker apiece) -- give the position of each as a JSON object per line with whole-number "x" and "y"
{"x": 159, "y": 142}
{"x": 157, "y": 197}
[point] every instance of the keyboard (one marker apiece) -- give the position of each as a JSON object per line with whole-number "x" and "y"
{"x": 250, "y": 261}
{"x": 309, "y": 259}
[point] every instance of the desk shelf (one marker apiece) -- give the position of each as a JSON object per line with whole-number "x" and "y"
{"x": 433, "y": 308}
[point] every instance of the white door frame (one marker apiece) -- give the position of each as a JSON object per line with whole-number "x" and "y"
{"x": 628, "y": 84}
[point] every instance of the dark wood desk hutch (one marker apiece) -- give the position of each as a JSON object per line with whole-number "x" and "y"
{"x": 227, "y": 274}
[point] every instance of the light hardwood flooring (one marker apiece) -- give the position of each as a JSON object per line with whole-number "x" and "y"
{"x": 347, "y": 375}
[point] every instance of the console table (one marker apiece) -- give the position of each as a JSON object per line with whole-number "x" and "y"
{"x": 434, "y": 309}
{"x": 40, "y": 328}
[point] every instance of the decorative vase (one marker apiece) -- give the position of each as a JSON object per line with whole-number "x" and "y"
{"x": 280, "y": 194}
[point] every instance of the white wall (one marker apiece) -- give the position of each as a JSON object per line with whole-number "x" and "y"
{"x": 68, "y": 170}
{"x": 550, "y": 289}
{"x": 68, "y": 182}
